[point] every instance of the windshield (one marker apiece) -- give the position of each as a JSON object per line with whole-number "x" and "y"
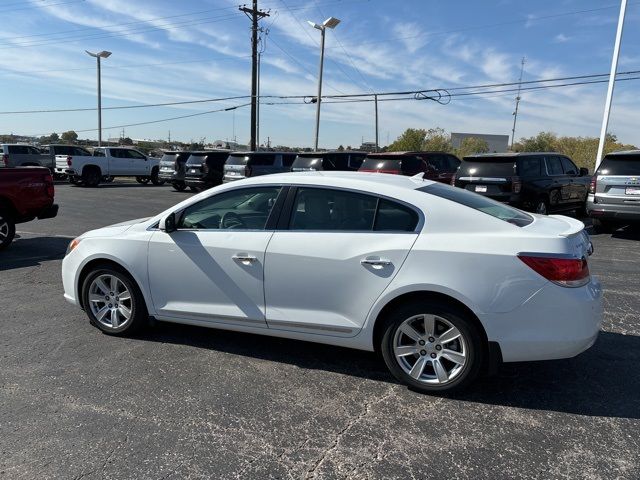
{"x": 620, "y": 165}
{"x": 487, "y": 167}
{"x": 381, "y": 163}
{"x": 480, "y": 203}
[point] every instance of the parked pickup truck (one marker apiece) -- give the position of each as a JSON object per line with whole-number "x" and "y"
{"x": 19, "y": 155}
{"x": 25, "y": 193}
{"x": 90, "y": 170}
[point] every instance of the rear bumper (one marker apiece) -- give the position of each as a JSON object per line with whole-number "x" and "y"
{"x": 171, "y": 176}
{"x": 613, "y": 211}
{"x": 556, "y": 322}
{"x": 227, "y": 179}
{"x": 49, "y": 212}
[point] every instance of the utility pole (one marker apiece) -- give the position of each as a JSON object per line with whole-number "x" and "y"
{"x": 254, "y": 14}
{"x": 375, "y": 97}
{"x": 169, "y": 136}
{"x": 612, "y": 83}
{"x": 515, "y": 113}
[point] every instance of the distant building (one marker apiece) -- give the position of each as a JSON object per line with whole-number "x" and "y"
{"x": 368, "y": 147}
{"x": 497, "y": 143}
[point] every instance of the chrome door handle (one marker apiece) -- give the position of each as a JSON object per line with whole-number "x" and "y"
{"x": 244, "y": 258}
{"x": 375, "y": 262}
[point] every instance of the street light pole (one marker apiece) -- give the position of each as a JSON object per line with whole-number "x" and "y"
{"x": 332, "y": 23}
{"x": 612, "y": 83}
{"x": 98, "y": 56}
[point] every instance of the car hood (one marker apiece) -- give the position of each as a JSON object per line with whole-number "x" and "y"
{"x": 113, "y": 230}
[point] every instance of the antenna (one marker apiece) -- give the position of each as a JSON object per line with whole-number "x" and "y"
{"x": 515, "y": 113}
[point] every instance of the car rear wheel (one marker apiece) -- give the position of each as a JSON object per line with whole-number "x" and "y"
{"x": 432, "y": 347}
{"x": 113, "y": 301}
{"x": 179, "y": 186}
{"x": 7, "y": 229}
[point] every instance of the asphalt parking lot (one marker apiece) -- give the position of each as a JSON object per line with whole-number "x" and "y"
{"x": 188, "y": 402}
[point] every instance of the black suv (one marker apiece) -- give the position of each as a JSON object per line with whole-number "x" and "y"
{"x": 205, "y": 169}
{"x": 345, "y": 161}
{"x": 241, "y": 165}
{"x": 538, "y": 182}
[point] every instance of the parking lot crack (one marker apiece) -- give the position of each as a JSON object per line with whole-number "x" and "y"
{"x": 341, "y": 433}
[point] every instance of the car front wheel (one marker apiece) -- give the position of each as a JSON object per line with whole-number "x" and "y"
{"x": 432, "y": 347}
{"x": 113, "y": 301}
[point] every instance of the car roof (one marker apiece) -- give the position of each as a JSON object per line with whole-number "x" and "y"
{"x": 359, "y": 180}
{"x": 332, "y": 152}
{"x": 407, "y": 153}
{"x": 512, "y": 154}
{"x": 246, "y": 154}
{"x": 624, "y": 152}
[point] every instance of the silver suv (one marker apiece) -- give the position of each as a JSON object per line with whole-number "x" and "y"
{"x": 614, "y": 195}
{"x": 19, "y": 155}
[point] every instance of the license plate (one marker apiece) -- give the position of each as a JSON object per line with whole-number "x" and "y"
{"x": 632, "y": 191}
{"x": 481, "y": 188}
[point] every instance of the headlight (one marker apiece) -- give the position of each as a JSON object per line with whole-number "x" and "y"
{"x": 72, "y": 246}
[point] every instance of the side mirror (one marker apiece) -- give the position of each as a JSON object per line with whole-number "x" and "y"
{"x": 584, "y": 172}
{"x": 168, "y": 224}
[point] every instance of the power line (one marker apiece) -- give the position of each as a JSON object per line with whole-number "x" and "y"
{"x": 39, "y": 6}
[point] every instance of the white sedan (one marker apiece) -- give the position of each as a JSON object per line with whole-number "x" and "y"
{"x": 441, "y": 281}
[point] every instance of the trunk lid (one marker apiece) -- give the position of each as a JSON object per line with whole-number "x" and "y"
{"x": 618, "y": 180}
{"x": 489, "y": 176}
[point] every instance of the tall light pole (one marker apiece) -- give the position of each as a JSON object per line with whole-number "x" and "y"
{"x": 612, "y": 84}
{"x": 332, "y": 23}
{"x": 98, "y": 56}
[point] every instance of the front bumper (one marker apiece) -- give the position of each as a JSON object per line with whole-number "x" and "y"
{"x": 556, "y": 322}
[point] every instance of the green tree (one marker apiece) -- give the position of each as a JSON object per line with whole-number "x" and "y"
{"x": 471, "y": 145}
{"x": 126, "y": 141}
{"x": 436, "y": 139}
{"x": 69, "y": 137}
{"x": 543, "y": 142}
{"x": 411, "y": 140}
{"x": 341, "y": 148}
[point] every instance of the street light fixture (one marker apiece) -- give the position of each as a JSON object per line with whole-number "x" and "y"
{"x": 332, "y": 23}
{"x": 98, "y": 56}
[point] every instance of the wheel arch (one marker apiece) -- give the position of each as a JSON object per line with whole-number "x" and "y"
{"x": 109, "y": 262}
{"x": 424, "y": 295}
{"x": 91, "y": 166}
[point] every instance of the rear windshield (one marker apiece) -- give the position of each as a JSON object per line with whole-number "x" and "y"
{"x": 196, "y": 158}
{"x": 199, "y": 157}
{"x": 620, "y": 165}
{"x": 487, "y": 167}
{"x": 381, "y": 163}
{"x": 480, "y": 203}
{"x": 314, "y": 162}
{"x": 237, "y": 160}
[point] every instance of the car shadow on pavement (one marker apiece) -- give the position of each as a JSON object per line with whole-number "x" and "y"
{"x": 600, "y": 382}
{"x": 29, "y": 252}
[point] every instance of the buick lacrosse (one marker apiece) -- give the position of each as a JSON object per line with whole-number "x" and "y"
{"x": 442, "y": 282}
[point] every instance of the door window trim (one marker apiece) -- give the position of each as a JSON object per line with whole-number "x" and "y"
{"x": 286, "y": 215}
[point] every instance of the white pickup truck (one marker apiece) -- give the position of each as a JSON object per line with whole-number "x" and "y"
{"x": 107, "y": 162}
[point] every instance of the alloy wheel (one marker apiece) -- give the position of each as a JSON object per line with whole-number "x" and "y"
{"x": 430, "y": 349}
{"x": 110, "y": 301}
{"x": 541, "y": 208}
{"x": 4, "y": 229}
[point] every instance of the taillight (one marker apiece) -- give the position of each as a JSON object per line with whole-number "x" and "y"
{"x": 5, "y": 159}
{"x": 69, "y": 160}
{"x": 566, "y": 272}
{"x": 205, "y": 167}
{"x": 593, "y": 185}
{"x": 48, "y": 182}
{"x": 516, "y": 184}
{"x": 453, "y": 180}
{"x": 247, "y": 171}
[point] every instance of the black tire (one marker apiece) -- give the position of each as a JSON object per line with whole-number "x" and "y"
{"x": 474, "y": 347}
{"x": 91, "y": 177}
{"x": 542, "y": 207}
{"x": 7, "y": 229}
{"x": 155, "y": 179}
{"x": 75, "y": 180}
{"x": 139, "y": 316}
{"x": 602, "y": 226}
{"x": 142, "y": 180}
{"x": 179, "y": 186}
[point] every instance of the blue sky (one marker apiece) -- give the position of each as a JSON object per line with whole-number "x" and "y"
{"x": 167, "y": 50}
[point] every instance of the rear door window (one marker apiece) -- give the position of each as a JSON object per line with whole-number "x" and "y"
{"x": 554, "y": 165}
{"x": 133, "y": 154}
{"x": 261, "y": 160}
{"x": 18, "y": 149}
{"x": 620, "y": 165}
{"x": 568, "y": 166}
{"x": 529, "y": 166}
{"x": 392, "y": 216}
{"x": 288, "y": 158}
{"x": 438, "y": 162}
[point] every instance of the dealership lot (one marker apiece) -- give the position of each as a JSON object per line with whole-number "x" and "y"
{"x": 179, "y": 401}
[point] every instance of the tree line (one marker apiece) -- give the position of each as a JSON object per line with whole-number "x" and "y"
{"x": 582, "y": 150}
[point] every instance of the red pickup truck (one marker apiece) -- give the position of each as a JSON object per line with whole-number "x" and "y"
{"x": 25, "y": 193}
